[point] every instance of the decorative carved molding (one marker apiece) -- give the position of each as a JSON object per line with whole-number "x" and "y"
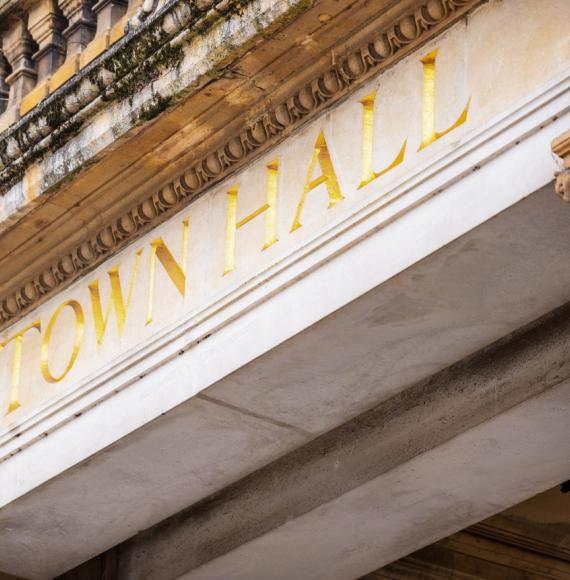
{"x": 561, "y": 147}
{"x": 378, "y": 53}
{"x": 61, "y": 115}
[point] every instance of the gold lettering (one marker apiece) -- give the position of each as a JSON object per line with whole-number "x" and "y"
{"x": 17, "y": 363}
{"x": 368, "y": 174}
{"x": 269, "y": 208}
{"x": 177, "y": 274}
{"x": 79, "y": 329}
{"x": 429, "y": 134}
{"x": 321, "y": 156}
{"x": 116, "y": 299}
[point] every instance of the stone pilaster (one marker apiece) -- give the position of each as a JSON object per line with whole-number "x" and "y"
{"x": 46, "y": 23}
{"x": 82, "y": 24}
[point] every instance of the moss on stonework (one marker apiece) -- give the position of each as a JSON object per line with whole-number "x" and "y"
{"x": 138, "y": 61}
{"x": 68, "y": 130}
{"x": 158, "y": 105}
{"x": 65, "y": 131}
{"x": 237, "y": 8}
{"x": 149, "y": 70}
{"x": 55, "y": 114}
{"x": 302, "y": 6}
{"x": 68, "y": 178}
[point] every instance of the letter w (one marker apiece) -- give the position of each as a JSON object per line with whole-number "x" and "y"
{"x": 116, "y": 299}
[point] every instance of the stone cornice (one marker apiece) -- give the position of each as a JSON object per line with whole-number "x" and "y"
{"x": 144, "y": 53}
{"x": 561, "y": 148}
{"x": 381, "y": 51}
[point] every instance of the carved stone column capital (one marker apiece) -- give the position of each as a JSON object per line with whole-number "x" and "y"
{"x": 561, "y": 147}
{"x": 82, "y": 24}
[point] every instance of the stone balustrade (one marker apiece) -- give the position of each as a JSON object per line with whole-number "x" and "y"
{"x": 43, "y": 45}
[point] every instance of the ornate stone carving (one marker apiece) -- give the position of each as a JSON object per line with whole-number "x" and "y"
{"x": 562, "y": 185}
{"x": 375, "y": 55}
{"x": 561, "y": 147}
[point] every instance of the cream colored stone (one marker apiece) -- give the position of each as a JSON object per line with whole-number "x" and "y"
{"x": 64, "y": 72}
{"x": 460, "y": 77}
{"x": 34, "y": 97}
{"x": 96, "y": 47}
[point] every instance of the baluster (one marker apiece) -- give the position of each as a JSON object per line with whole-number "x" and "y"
{"x": 46, "y": 23}
{"x": 19, "y": 47}
{"x": 82, "y": 24}
{"x": 109, "y": 12}
{"x": 4, "y": 88}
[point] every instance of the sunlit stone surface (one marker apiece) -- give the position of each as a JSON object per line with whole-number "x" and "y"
{"x": 229, "y": 230}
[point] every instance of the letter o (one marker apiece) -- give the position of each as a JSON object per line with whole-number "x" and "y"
{"x": 79, "y": 328}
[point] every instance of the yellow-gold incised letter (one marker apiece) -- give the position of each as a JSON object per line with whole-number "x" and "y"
{"x": 429, "y": 134}
{"x": 116, "y": 299}
{"x": 368, "y": 174}
{"x": 16, "y": 363}
{"x": 321, "y": 156}
{"x": 79, "y": 329}
{"x": 177, "y": 274}
{"x": 269, "y": 208}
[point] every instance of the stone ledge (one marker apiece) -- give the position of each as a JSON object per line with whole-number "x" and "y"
{"x": 117, "y": 74}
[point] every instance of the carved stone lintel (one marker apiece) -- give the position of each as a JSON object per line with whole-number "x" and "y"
{"x": 82, "y": 24}
{"x": 561, "y": 147}
{"x": 46, "y": 23}
{"x": 109, "y": 12}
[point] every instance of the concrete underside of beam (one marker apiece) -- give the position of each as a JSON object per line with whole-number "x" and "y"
{"x": 430, "y": 457}
{"x": 456, "y": 425}
{"x": 429, "y": 448}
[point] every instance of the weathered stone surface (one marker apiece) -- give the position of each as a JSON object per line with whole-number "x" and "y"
{"x": 204, "y": 53}
{"x": 314, "y": 244}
